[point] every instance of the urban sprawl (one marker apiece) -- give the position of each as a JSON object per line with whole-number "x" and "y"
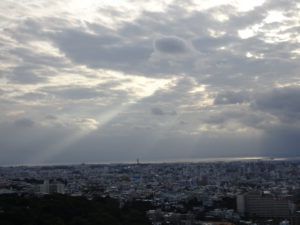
{"x": 241, "y": 192}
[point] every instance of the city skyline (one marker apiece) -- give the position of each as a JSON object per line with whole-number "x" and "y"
{"x": 97, "y": 81}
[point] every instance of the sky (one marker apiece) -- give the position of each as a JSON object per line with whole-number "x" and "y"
{"x": 112, "y": 81}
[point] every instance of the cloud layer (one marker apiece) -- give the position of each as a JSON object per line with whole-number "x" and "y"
{"x": 90, "y": 81}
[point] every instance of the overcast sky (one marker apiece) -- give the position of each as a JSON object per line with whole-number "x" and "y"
{"x": 98, "y": 81}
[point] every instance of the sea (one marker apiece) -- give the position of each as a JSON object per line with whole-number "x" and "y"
{"x": 181, "y": 160}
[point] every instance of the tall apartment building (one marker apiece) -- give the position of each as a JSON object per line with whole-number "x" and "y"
{"x": 295, "y": 218}
{"x": 52, "y": 187}
{"x": 265, "y": 205}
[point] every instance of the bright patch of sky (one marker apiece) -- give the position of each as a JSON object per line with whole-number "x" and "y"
{"x": 241, "y": 5}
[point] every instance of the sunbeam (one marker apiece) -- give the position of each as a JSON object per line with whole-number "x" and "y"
{"x": 57, "y": 148}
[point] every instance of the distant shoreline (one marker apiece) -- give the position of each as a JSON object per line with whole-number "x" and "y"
{"x": 183, "y": 160}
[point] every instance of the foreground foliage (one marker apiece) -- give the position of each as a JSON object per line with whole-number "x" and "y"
{"x": 67, "y": 210}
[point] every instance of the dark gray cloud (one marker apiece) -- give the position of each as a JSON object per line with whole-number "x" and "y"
{"x": 25, "y": 75}
{"x": 170, "y": 45}
{"x": 281, "y": 102}
{"x": 74, "y": 93}
{"x": 22, "y": 145}
{"x": 243, "y": 116}
{"x": 32, "y": 96}
{"x": 32, "y": 58}
{"x": 281, "y": 141}
{"x": 159, "y": 112}
{"x": 50, "y": 117}
{"x": 24, "y": 122}
{"x": 245, "y": 19}
{"x": 99, "y": 51}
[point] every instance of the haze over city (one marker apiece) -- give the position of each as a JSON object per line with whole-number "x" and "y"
{"x": 112, "y": 81}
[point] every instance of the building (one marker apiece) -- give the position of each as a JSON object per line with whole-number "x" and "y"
{"x": 295, "y": 218}
{"x": 265, "y": 205}
{"x": 52, "y": 187}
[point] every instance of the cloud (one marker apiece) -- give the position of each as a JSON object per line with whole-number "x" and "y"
{"x": 24, "y": 122}
{"x": 206, "y": 79}
{"x": 51, "y": 117}
{"x": 32, "y": 96}
{"x": 26, "y": 75}
{"x": 170, "y": 45}
{"x": 98, "y": 51}
{"x": 74, "y": 93}
{"x": 281, "y": 102}
{"x": 281, "y": 141}
{"x": 230, "y": 97}
{"x": 210, "y": 44}
{"x": 35, "y": 59}
{"x": 159, "y": 112}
